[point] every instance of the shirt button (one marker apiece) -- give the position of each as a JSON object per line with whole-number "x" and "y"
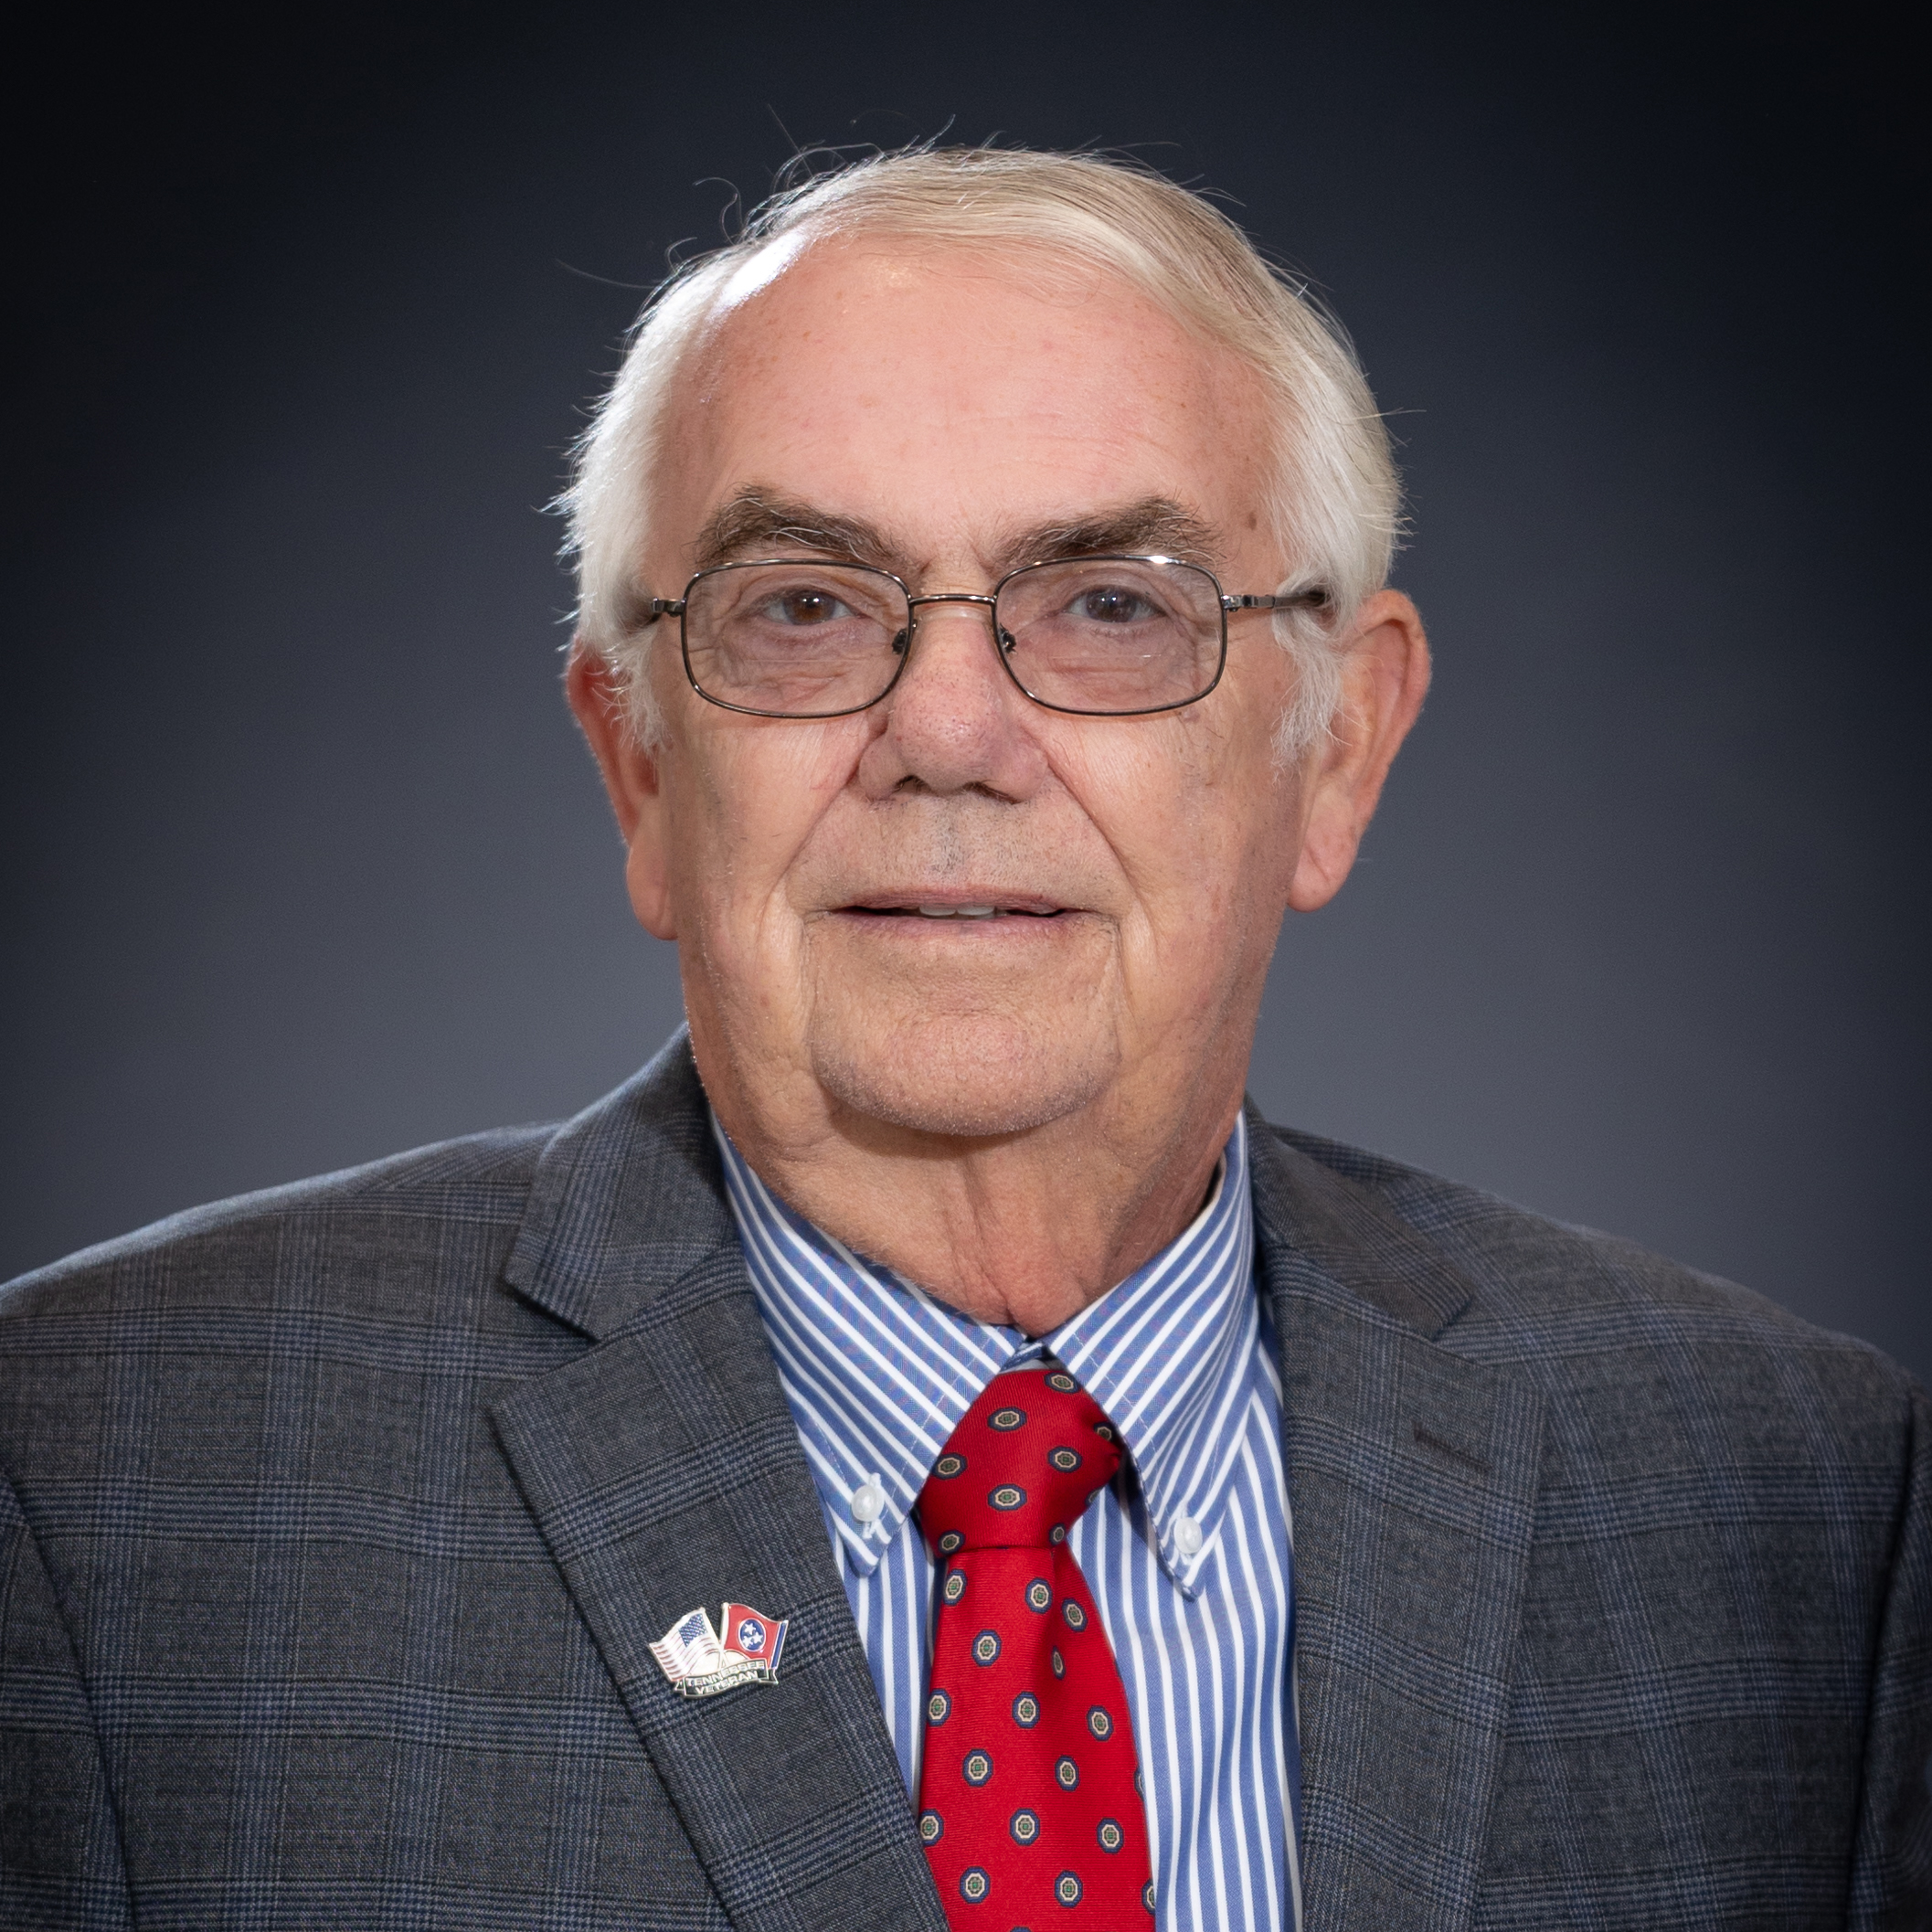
{"x": 1187, "y": 1536}
{"x": 868, "y": 1503}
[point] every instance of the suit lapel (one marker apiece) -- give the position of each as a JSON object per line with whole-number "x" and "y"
{"x": 1413, "y": 1476}
{"x": 664, "y": 1471}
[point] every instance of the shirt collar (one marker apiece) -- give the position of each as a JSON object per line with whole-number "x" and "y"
{"x": 878, "y": 1373}
{"x": 1168, "y": 1353}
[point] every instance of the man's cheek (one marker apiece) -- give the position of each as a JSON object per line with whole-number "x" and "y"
{"x": 769, "y": 789}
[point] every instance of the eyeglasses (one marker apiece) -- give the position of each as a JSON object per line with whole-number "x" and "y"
{"x": 1098, "y": 636}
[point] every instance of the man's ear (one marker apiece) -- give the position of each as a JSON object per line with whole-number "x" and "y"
{"x": 631, "y": 777}
{"x": 1384, "y": 677}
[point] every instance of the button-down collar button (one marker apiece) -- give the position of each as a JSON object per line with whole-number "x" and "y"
{"x": 1187, "y": 1536}
{"x": 868, "y": 1503}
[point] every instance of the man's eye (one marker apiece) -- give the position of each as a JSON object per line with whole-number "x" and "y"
{"x": 1114, "y": 604}
{"x": 804, "y": 607}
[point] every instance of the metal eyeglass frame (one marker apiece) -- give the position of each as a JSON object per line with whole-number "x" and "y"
{"x": 1315, "y": 598}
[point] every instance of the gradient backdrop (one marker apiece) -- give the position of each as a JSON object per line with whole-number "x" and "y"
{"x": 305, "y": 862}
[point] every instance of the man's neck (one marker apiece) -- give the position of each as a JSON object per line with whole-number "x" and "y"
{"x": 1023, "y": 1231}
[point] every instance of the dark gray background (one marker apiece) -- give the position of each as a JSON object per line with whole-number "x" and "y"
{"x": 305, "y": 864}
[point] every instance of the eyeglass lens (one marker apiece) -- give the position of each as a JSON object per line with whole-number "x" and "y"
{"x": 1103, "y": 635}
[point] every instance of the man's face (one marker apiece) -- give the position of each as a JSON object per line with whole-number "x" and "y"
{"x": 926, "y": 412}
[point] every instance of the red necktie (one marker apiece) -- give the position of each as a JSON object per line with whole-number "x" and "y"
{"x": 1030, "y": 1805}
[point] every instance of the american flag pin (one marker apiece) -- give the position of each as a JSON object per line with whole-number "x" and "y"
{"x": 700, "y": 1661}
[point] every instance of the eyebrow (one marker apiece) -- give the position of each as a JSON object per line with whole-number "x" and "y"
{"x": 1155, "y": 526}
{"x": 755, "y": 520}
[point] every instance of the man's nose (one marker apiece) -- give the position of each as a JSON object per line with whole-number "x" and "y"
{"x": 954, "y": 720}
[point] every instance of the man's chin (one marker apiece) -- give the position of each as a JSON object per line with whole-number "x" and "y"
{"x": 982, "y": 1081}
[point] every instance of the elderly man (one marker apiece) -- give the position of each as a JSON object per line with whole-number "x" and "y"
{"x": 1122, "y": 1512}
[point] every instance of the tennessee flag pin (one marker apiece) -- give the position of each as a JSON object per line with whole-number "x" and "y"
{"x": 700, "y": 1661}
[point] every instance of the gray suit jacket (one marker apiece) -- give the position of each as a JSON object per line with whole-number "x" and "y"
{"x": 336, "y": 1522}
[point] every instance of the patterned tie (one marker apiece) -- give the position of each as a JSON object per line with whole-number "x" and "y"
{"x": 1029, "y": 1796}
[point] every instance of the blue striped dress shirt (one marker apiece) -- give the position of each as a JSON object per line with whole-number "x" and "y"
{"x": 1187, "y": 1554}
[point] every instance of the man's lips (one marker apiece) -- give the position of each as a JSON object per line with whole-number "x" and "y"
{"x": 968, "y": 905}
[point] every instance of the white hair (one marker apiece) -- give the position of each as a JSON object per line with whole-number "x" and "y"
{"x": 1334, "y": 503}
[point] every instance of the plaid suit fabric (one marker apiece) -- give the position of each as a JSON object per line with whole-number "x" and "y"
{"x": 337, "y": 1523}
{"x": 332, "y": 1672}
{"x": 1615, "y": 1605}
{"x": 290, "y": 1639}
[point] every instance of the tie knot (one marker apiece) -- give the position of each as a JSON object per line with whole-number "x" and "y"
{"x": 1021, "y": 1468}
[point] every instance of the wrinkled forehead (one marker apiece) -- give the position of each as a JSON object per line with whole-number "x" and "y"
{"x": 975, "y": 382}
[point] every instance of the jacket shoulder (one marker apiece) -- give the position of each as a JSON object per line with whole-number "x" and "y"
{"x": 1551, "y": 1293}
{"x": 407, "y": 1203}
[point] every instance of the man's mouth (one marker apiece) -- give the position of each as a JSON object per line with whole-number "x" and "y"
{"x": 956, "y": 909}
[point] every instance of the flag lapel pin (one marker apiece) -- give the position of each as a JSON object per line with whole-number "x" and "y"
{"x": 700, "y": 1661}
